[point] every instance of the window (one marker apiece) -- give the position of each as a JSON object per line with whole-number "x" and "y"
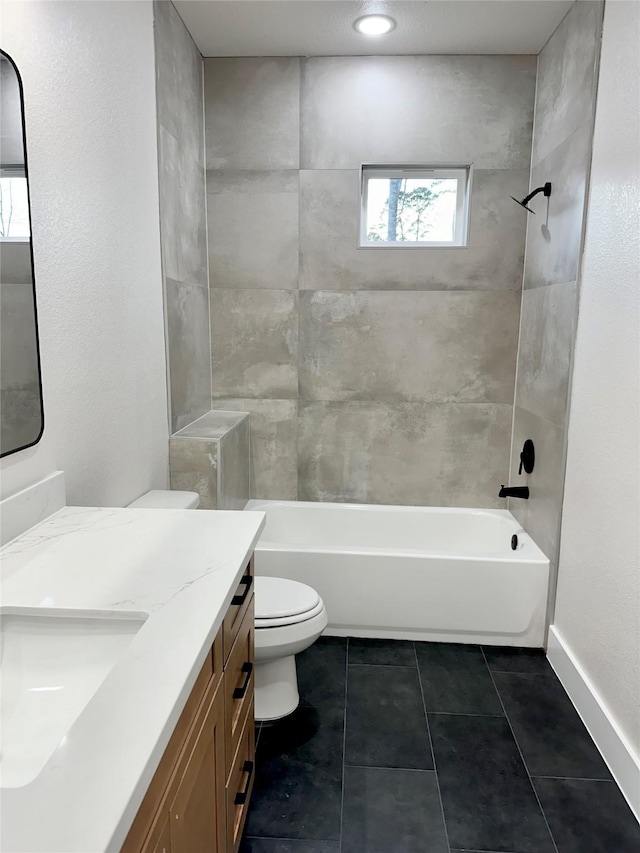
{"x": 14, "y": 208}
{"x": 414, "y": 206}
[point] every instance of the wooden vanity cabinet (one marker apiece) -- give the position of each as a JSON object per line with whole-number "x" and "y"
{"x": 198, "y": 799}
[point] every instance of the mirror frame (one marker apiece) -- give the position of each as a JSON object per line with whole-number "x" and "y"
{"x": 6, "y": 56}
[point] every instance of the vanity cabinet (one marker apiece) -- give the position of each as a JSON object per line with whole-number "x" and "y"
{"x": 198, "y": 798}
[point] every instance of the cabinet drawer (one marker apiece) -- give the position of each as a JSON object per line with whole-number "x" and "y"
{"x": 240, "y": 782}
{"x": 239, "y": 681}
{"x": 237, "y": 610}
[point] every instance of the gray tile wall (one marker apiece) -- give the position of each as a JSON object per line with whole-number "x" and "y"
{"x": 382, "y": 376}
{"x": 182, "y": 215}
{"x": 211, "y": 456}
{"x": 565, "y": 100}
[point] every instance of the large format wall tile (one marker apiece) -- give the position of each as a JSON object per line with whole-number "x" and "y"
{"x": 546, "y": 342}
{"x": 566, "y": 77}
{"x": 407, "y": 453}
{"x": 182, "y": 212}
{"x": 540, "y": 515}
{"x": 253, "y": 228}
{"x": 180, "y": 149}
{"x": 330, "y": 258}
{"x": 182, "y": 215}
{"x": 554, "y": 235}
{"x": 424, "y": 109}
{"x": 252, "y": 112}
{"x": 178, "y": 80}
{"x": 168, "y": 186}
{"x": 254, "y": 343}
{"x": 192, "y": 223}
{"x": 187, "y": 307}
{"x": 429, "y": 346}
{"x": 274, "y": 456}
{"x": 211, "y": 457}
{"x": 234, "y": 485}
{"x": 193, "y": 467}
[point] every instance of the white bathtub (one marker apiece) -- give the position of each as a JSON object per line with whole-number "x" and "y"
{"x": 418, "y": 573}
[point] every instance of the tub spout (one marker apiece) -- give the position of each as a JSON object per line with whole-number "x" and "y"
{"x": 514, "y": 492}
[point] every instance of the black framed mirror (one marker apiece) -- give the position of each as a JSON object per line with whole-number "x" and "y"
{"x": 21, "y": 407}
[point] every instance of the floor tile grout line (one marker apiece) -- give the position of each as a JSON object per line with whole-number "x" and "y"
{"x": 473, "y": 850}
{"x": 572, "y": 778}
{"x": 519, "y": 672}
{"x": 524, "y": 763}
{"x": 344, "y": 739}
{"x": 393, "y": 769}
{"x": 463, "y": 714}
{"x": 433, "y": 752}
{"x": 469, "y": 850}
{"x": 303, "y": 840}
{"x": 385, "y": 665}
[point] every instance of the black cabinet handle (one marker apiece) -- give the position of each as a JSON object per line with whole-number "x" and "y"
{"x": 239, "y": 692}
{"x": 247, "y": 580}
{"x": 241, "y": 797}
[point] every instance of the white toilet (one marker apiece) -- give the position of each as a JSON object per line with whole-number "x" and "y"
{"x": 290, "y": 616}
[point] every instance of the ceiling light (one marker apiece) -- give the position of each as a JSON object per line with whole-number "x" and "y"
{"x": 374, "y": 25}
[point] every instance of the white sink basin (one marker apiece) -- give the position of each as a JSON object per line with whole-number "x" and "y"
{"x": 52, "y": 663}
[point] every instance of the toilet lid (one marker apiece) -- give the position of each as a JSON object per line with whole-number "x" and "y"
{"x": 286, "y": 621}
{"x": 279, "y": 598}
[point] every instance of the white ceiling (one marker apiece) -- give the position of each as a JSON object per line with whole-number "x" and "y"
{"x": 325, "y": 27}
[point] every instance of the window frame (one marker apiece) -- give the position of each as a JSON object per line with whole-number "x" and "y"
{"x": 463, "y": 173}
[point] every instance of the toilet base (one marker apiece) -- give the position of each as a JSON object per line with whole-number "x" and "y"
{"x": 276, "y": 692}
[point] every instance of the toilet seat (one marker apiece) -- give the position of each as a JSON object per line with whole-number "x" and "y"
{"x": 290, "y": 620}
{"x": 280, "y": 602}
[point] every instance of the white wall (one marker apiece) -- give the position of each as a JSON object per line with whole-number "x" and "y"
{"x": 89, "y": 82}
{"x": 598, "y": 600}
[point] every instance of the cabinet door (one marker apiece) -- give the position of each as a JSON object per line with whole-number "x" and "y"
{"x": 197, "y": 812}
{"x": 159, "y": 840}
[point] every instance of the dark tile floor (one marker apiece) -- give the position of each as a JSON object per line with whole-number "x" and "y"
{"x": 401, "y": 747}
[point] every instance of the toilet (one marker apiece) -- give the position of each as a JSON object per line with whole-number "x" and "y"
{"x": 289, "y": 617}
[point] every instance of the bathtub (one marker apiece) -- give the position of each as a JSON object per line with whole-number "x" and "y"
{"x": 416, "y": 573}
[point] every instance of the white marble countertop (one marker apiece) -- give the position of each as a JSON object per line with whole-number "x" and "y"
{"x": 182, "y": 568}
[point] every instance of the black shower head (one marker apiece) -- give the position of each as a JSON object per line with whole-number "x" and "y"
{"x": 522, "y": 204}
{"x": 546, "y": 190}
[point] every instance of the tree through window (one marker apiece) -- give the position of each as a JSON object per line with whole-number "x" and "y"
{"x": 414, "y": 206}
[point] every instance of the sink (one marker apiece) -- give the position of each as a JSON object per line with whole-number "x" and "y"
{"x": 52, "y": 663}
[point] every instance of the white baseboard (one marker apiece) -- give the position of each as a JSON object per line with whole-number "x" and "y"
{"x": 616, "y": 751}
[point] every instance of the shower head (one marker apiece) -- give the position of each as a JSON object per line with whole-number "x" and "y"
{"x": 524, "y": 202}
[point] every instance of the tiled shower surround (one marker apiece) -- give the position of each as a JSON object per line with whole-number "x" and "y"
{"x": 563, "y": 129}
{"x": 377, "y": 375}
{"x": 373, "y": 375}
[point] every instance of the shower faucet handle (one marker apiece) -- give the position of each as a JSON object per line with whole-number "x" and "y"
{"x": 527, "y": 457}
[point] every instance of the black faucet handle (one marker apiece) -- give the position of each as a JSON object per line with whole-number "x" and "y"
{"x": 527, "y": 457}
